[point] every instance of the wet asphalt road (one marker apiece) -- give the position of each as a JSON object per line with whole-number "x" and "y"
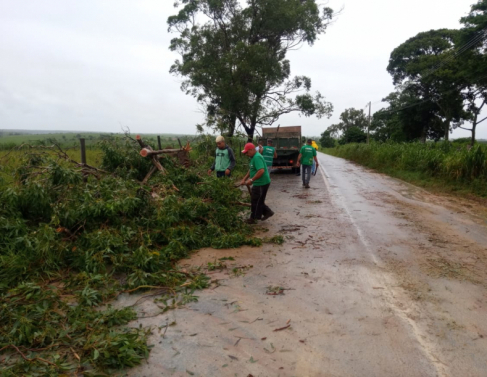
{"x": 378, "y": 278}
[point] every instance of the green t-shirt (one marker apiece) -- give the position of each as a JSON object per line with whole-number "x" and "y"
{"x": 256, "y": 163}
{"x": 307, "y": 154}
{"x": 268, "y": 155}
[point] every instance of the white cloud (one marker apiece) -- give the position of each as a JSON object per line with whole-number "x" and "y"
{"x": 95, "y": 64}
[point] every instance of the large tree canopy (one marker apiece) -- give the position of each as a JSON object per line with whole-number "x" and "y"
{"x": 349, "y": 118}
{"x": 476, "y": 20}
{"x": 233, "y": 58}
{"x": 425, "y": 66}
{"x": 407, "y": 118}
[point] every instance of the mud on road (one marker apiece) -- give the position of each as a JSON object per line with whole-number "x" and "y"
{"x": 376, "y": 278}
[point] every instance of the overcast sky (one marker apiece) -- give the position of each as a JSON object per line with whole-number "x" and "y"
{"x": 97, "y": 65}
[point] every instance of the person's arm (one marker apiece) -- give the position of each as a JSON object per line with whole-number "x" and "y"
{"x": 275, "y": 153}
{"x": 210, "y": 170}
{"x": 315, "y": 156}
{"x": 233, "y": 162}
{"x": 299, "y": 157}
{"x": 316, "y": 160}
{"x": 257, "y": 175}
{"x": 244, "y": 179}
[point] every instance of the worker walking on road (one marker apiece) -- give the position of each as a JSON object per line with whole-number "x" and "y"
{"x": 260, "y": 181}
{"x": 314, "y": 167}
{"x": 224, "y": 159}
{"x": 306, "y": 156}
{"x": 269, "y": 153}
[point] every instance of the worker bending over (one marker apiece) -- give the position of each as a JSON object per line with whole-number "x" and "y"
{"x": 260, "y": 182}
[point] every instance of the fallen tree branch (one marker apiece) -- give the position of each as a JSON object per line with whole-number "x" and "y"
{"x": 25, "y": 357}
{"x": 146, "y": 178}
{"x": 146, "y": 287}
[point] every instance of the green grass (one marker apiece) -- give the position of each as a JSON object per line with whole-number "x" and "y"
{"x": 446, "y": 167}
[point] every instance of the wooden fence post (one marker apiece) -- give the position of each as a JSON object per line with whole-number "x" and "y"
{"x": 159, "y": 142}
{"x": 83, "y": 156}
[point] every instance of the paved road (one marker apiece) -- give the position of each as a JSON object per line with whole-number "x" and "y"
{"x": 380, "y": 279}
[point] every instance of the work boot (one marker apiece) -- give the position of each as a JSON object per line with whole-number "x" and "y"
{"x": 306, "y": 186}
{"x": 251, "y": 221}
{"x": 267, "y": 215}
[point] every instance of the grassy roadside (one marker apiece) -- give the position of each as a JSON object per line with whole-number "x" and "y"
{"x": 440, "y": 167}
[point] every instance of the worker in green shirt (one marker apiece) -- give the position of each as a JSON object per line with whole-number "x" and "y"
{"x": 269, "y": 153}
{"x": 260, "y": 182}
{"x": 224, "y": 159}
{"x": 306, "y": 156}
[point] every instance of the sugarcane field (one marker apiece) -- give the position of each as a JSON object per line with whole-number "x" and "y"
{"x": 243, "y": 188}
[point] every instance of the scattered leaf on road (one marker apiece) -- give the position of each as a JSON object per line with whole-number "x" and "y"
{"x": 282, "y": 328}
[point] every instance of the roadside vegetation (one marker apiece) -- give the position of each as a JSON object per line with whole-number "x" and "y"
{"x": 445, "y": 166}
{"x": 73, "y": 238}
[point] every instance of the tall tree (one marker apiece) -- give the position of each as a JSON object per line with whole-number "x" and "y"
{"x": 326, "y": 140}
{"x": 407, "y": 118}
{"x": 348, "y": 119}
{"x": 476, "y": 21}
{"x": 425, "y": 66}
{"x": 353, "y": 135}
{"x": 233, "y": 57}
{"x": 474, "y": 64}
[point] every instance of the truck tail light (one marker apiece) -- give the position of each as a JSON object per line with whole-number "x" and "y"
{"x": 291, "y": 161}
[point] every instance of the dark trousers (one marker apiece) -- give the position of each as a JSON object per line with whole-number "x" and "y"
{"x": 221, "y": 174}
{"x": 258, "y": 206}
{"x": 306, "y": 173}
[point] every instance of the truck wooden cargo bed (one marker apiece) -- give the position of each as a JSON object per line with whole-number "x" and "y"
{"x": 287, "y": 141}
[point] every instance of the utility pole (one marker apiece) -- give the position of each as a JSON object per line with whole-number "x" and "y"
{"x": 368, "y": 127}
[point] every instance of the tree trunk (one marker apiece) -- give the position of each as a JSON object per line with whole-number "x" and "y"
{"x": 250, "y": 134}
{"x": 447, "y": 128}
{"x": 231, "y": 125}
{"x": 423, "y": 135}
{"x": 474, "y": 126}
{"x": 248, "y": 129}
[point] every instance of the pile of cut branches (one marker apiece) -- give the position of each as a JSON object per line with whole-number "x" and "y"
{"x": 73, "y": 237}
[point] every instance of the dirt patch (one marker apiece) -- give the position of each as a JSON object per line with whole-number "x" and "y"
{"x": 443, "y": 268}
{"x": 291, "y": 228}
{"x": 445, "y": 253}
